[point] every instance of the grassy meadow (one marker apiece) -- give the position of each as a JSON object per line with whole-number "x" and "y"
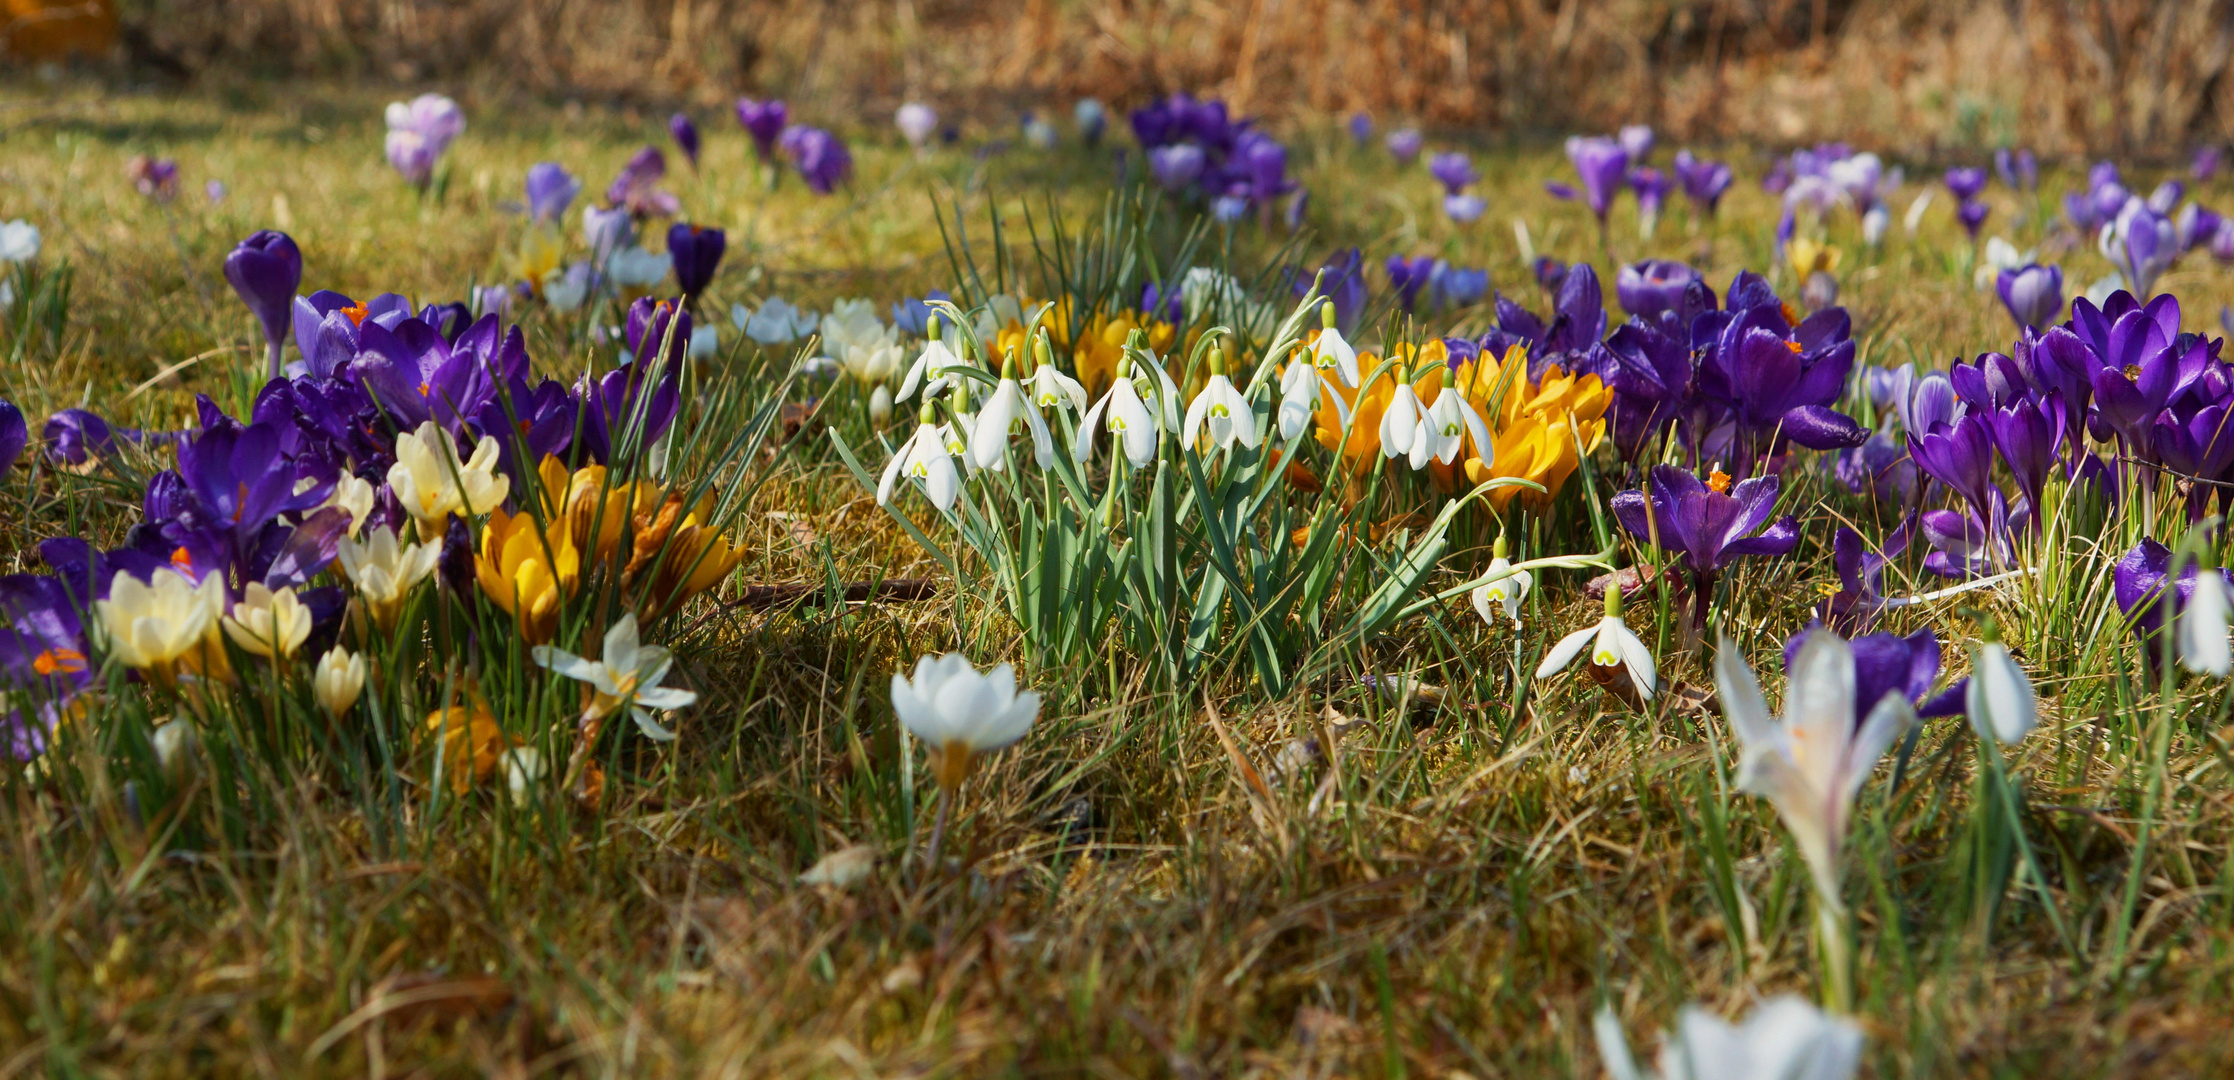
{"x": 1160, "y": 879}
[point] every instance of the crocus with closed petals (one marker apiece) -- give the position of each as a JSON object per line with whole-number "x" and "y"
{"x": 1404, "y": 145}
{"x": 1966, "y": 182}
{"x": 1972, "y": 215}
{"x": 1612, "y": 645}
{"x": 550, "y": 190}
{"x": 265, "y": 270}
{"x": 271, "y": 624}
{"x": 960, "y": 713}
{"x": 385, "y": 570}
{"x": 764, "y": 121}
{"x": 1703, "y": 182}
{"x": 2000, "y": 701}
{"x": 1453, "y": 170}
{"x": 626, "y": 676}
{"x": 697, "y": 252}
{"x": 916, "y": 122}
{"x": 2032, "y": 293}
{"x": 1177, "y": 166}
{"x": 15, "y": 434}
{"x": 686, "y": 136}
{"x": 821, "y": 158}
{"x": 1509, "y": 588}
{"x": 1602, "y": 164}
{"x": 1648, "y": 288}
{"x": 1784, "y": 1039}
{"x": 339, "y": 681}
{"x": 1464, "y": 209}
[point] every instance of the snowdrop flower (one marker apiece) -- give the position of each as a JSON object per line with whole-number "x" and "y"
{"x": 385, "y": 570}
{"x": 1300, "y": 390}
{"x": 931, "y": 363}
{"x": 267, "y": 623}
{"x": 960, "y": 713}
{"x": 1331, "y": 352}
{"x": 925, "y": 457}
{"x": 1784, "y": 1039}
{"x": 1129, "y": 419}
{"x": 19, "y": 241}
{"x": 626, "y": 676}
{"x": 432, "y": 483}
{"x": 1612, "y": 644}
{"x": 339, "y": 680}
{"x": 153, "y": 626}
{"x": 1509, "y": 591}
{"x": 1051, "y": 389}
{"x": 1223, "y": 407}
{"x": 2204, "y": 647}
{"x": 1812, "y": 763}
{"x": 989, "y": 432}
{"x": 2000, "y": 701}
{"x": 1443, "y": 428}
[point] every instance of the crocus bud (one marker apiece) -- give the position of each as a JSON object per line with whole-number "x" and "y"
{"x": 916, "y": 122}
{"x": 686, "y": 136}
{"x": 265, "y": 270}
{"x": 697, "y": 252}
{"x": 339, "y": 680}
{"x": 14, "y": 434}
{"x": 880, "y": 405}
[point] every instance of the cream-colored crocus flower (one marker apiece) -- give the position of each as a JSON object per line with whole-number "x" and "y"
{"x": 267, "y": 623}
{"x": 153, "y": 626}
{"x": 339, "y": 680}
{"x": 627, "y": 676}
{"x": 385, "y": 570}
{"x": 432, "y": 482}
{"x": 355, "y": 496}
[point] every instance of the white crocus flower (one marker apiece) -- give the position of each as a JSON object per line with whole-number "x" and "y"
{"x": 19, "y": 241}
{"x": 925, "y": 457}
{"x": 1444, "y": 428}
{"x": 385, "y": 570}
{"x": 339, "y": 680}
{"x": 1812, "y": 763}
{"x": 1330, "y": 351}
{"x": 268, "y": 623}
{"x": 1508, "y": 591}
{"x": 2000, "y": 700}
{"x": 990, "y": 430}
{"x": 432, "y": 483}
{"x": 1130, "y": 422}
{"x": 1223, "y": 408}
{"x": 1612, "y": 645}
{"x": 625, "y": 677}
{"x": 960, "y": 713}
{"x": 1784, "y": 1039}
{"x": 2204, "y": 647}
{"x": 151, "y": 626}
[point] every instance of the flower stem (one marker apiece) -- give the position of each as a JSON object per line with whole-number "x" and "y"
{"x": 938, "y": 828}
{"x": 1838, "y": 965}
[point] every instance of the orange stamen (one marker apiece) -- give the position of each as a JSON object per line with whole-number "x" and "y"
{"x": 1718, "y": 482}
{"x": 357, "y": 313}
{"x": 54, "y": 660}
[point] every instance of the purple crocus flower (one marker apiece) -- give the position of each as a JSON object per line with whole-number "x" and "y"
{"x": 637, "y": 187}
{"x": 156, "y": 178}
{"x": 619, "y": 416}
{"x": 2138, "y": 584}
{"x": 1464, "y": 209}
{"x": 1405, "y": 145}
{"x": 76, "y": 436}
{"x": 765, "y": 122}
{"x": 1648, "y": 288}
{"x": 1972, "y": 214}
{"x": 1703, "y": 181}
{"x": 1455, "y": 171}
{"x": 1344, "y": 284}
{"x": 1636, "y": 141}
{"x": 264, "y": 271}
{"x": 697, "y": 253}
{"x": 1782, "y": 383}
{"x": 686, "y": 136}
{"x": 2205, "y": 164}
{"x": 1855, "y": 607}
{"x": 541, "y": 422}
{"x": 417, "y": 376}
{"x": 1601, "y": 163}
{"x": 1361, "y": 128}
{"x": 1550, "y": 273}
{"x": 1879, "y": 470}
{"x": 648, "y": 328}
{"x": 1966, "y": 182}
{"x": 822, "y": 160}
{"x": 2032, "y": 293}
{"x": 418, "y": 133}
{"x": 1709, "y": 522}
{"x": 1652, "y": 187}
{"x": 1959, "y": 455}
{"x": 550, "y": 190}
{"x": 1176, "y": 167}
{"x": 14, "y": 436}
{"x": 1456, "y": 286}
{"x": 2143, "y": 243}
{"x": 2166, "y": 197}
{"x": 912, "y": 317}
{"x": 2028, "y": 434}
{"x": 1408, "y": 277}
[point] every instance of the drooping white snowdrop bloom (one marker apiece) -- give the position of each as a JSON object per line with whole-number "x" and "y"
{"x": 1508, "y": 591}
{"x": 1612, "y": 645}
{"x": 928, "y": 456}
{"x": 1222, "y": 408}
{"x": 1331, "y": 352}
